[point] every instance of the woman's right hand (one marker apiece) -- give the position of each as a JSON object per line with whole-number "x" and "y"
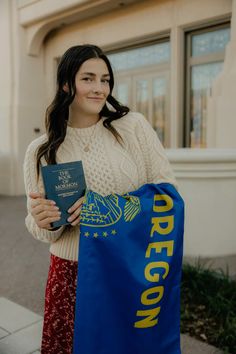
{"x": 44, "y": 211}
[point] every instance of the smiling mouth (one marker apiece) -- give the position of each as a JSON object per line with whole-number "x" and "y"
{"x": 95, "y": 98}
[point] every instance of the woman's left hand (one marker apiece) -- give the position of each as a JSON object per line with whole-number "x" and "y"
{"x": 75, "y": 211}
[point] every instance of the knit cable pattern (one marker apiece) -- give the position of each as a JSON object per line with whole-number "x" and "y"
{"x": 109, "y": 167}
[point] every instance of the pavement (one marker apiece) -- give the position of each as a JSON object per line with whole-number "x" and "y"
{"x": 24, "y": 265}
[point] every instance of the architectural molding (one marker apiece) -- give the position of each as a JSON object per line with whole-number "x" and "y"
{"x": 39, "y": 20}
{"x": 203, "y": 163}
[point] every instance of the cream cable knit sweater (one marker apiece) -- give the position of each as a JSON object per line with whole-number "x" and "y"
{"x": 108, "y": 166}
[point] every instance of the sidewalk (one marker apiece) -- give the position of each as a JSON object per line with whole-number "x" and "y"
{"x": 24, "y": 266}
{"x": 20, "y": 332}
{"x": 20, "y": 329}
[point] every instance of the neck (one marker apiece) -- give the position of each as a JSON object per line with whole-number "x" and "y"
{"x": 79, "y": 120}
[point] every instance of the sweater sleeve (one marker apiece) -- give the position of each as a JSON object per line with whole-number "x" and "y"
{"x": 32, "y": 185}
{"x": 157, "y": 164}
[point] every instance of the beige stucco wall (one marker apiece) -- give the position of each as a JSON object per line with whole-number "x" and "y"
{"x": 5, "y": 98}
{"x": 207, "y": 183}
{"x": 22, "y": 100}
{"x": 221, "y": 122}
{"x": 30, "y": 78}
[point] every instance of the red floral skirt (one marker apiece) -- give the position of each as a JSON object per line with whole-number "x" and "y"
{"x": 58, "y": 327}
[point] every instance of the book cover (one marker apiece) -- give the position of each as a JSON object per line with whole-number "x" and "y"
{"x": 65, "y": 184}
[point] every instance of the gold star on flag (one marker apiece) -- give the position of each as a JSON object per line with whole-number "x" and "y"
{"x": 95, "y": 234}
{"x": 105, "y": 234}
{"x": 113, "y": 232}
{"x": 86, "y": 234}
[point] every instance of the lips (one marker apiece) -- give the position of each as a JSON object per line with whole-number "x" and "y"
{"x": 96, "y": 98}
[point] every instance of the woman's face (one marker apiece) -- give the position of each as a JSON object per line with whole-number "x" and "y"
{"x": 92, "y": 87}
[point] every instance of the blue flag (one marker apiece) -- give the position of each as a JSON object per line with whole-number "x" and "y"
{"x": 129, "y": 272}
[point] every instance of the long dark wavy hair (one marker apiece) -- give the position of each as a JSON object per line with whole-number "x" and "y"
{"x": 57, "y": 114}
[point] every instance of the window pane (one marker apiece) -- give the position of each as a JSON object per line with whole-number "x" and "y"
{"x": 122, "y": 93}
{"x": 141, "y": 82}
{"x": 201, "y": 82}
{"x": 160, "y": 106}
{"x": 141, "y": 57}
{"x": 210, "y": 42}
{"x": 142, "y": 97}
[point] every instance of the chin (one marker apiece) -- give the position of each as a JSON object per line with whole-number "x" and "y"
{"x": 95, "y": 110}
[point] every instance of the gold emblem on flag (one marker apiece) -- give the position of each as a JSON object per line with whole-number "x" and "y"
{"x": 132, "y": 207}
{"x": 99, "y": 211}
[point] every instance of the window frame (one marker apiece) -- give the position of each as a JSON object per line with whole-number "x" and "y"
{"x": 189, "y": 62}
{"x": 158, "y": 38}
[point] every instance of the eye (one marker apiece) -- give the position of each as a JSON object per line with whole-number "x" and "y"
{"x": 87, "y": 79}
{"x": 106, "y": 81}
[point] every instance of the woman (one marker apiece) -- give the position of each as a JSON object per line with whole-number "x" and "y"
{"x": 120, "y": 152}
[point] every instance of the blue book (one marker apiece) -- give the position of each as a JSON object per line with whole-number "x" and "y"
{"x": 65, "y": 184}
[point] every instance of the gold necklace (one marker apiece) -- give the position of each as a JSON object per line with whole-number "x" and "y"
{"x": 86, "y": 147}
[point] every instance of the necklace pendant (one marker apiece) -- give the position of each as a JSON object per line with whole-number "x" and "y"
{"x": 86, "y": 149}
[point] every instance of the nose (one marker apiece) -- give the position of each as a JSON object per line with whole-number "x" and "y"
{"x": 97, "y": 87}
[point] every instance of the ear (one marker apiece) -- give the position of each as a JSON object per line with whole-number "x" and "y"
{"x": 66, "y": 87}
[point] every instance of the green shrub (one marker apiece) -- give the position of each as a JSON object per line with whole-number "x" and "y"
{"x": 208, "y": 307}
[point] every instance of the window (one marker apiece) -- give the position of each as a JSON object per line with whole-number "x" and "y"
{"x": 142, "y": 81}
{"x": 204, "y": 58}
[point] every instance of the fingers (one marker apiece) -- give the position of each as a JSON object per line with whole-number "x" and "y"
{"x": 41, "y": 201}
{"x": 77, "y": 205}
{"x": 47, "y": 213}
{"x": 75, "y": 222}
{"x": 40, "y": 205}
{"x": 46, "y": 223}
{"x": 35, "y": 195}
{"x": 74, "y": 219}
{"x": 75, "y": 211}
{"x": 44, "y": 211}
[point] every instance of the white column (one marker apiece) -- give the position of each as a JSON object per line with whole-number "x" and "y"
{"x": 221, "y": 113}
{"x": 22, "y": 99}
{"x": 6, "y": 98}
{"x": 176, "y": 86}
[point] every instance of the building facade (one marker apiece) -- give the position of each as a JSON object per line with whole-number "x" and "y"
{"x": 174, "y": 60}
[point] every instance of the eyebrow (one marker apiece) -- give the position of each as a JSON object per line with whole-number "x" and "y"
{"x": 92, "y": 74}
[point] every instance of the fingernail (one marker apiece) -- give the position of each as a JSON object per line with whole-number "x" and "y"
{"x": 69, "y": 210}
{"x": 69, "y": 219}
{"x": 52, "y": 202}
